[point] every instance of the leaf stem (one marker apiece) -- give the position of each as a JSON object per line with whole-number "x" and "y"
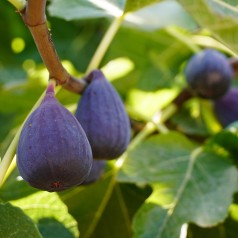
{"x": 104, "y": 44}
{"x": 101, "y": 208}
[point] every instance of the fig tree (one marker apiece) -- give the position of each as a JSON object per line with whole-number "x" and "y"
{"x": 209, "y": 74}
{"x": 103, "y": 117}
{"x": 53, "y": 152}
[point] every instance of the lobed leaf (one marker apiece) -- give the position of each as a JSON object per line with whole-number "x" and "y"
{"x": 189, "y": 185}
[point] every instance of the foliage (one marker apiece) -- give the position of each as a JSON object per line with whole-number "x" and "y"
{"x": 178, "y": 178}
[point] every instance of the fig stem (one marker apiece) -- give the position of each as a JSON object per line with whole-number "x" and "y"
{"x": 104, "y": 44}
{"x": 51, "y": 86}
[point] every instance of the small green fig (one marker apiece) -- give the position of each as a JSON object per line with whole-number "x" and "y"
{"x": 103, "y": 117}
{"x": 53, "y": 152}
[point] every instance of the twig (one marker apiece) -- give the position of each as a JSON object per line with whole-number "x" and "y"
{"x": 34, "y": 17}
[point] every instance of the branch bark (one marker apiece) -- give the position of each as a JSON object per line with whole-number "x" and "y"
{"x": 34, "y": 18}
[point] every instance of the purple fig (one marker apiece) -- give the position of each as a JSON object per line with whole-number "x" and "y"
{"x": 53, "y": 152}
{"x": 103, "y": 117}
{"x": 226, "y": 107}
{"x": 96, "y": 171}
{"x": 209, "y": 74}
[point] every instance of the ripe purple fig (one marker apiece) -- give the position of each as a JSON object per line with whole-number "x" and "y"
{"x": 96, "y": 171}
{"x": 53, "y": 152}
{"x": 103, "y": 117}
{"x": 209, "y": 74}
{"x": 226, "y": 107}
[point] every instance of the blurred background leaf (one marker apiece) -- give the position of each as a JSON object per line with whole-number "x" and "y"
{"x": 188, "y": 186}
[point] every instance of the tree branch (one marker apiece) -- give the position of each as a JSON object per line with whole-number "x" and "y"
{"x": 34, "y": 17}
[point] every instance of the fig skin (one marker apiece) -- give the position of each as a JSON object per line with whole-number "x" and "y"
{"x": 226, "y": 107}
{"x": 209, "y": 74}
{"x": 97, "y": 170}
{"x": 103, "y": 117}
{"x": 53, "y": 152}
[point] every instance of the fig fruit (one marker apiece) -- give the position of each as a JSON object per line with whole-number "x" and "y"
{"x": 209, "y": 74}
{"x": 226, "y": 107}
{"x": 96, "y": 171}
{"x": 103, "y": 117}
{"x": 53, "y": 152}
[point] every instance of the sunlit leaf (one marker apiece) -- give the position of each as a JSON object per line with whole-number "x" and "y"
{"x": 189, "y": 185}
{"x": 50, "y": 214}
{"x": 83, "y": 9}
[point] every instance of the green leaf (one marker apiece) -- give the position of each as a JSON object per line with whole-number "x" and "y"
{"x": 149, "y": 14}
{"x": 227, "y": 140}
{"x": 86, "y": 203}
{"x": 189, "y": 185}
{"x": 158, "y": 57}
{"x": 124, "y": 207}
{"x": 157, "y": 158}
{"x": 15, "y": 224}
{"x": 50, "y": 214}
{"x": 93, "y": 206}
{"x": 224, "y": 8}
{"x": 155, "y": 16}
{"x": 189, "y": 119}
{"x": 143, "y": 105}
{"x": 83, "y": 9}
{"x": 220, "y": 18}
{"x": 133, "y": 5}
